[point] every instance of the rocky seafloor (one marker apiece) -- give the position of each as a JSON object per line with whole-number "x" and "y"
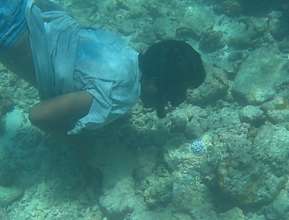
{"x": 221, "y": 155}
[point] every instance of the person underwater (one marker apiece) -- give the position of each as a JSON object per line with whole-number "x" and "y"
{"x": 88, "y": 77}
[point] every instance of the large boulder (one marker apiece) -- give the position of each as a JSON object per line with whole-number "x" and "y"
{"x": 279, "y": 208}
{"x": 259, "y": 75}
{"x": 253, "y": 174}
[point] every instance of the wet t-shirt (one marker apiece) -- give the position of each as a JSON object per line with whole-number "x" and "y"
{"x": 107, "y": 68}
{"x": 69, "y": 58}
{"x": 12, "y": 21}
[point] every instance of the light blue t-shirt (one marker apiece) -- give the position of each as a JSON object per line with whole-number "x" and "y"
{"x": 70, "y": 58}
{"x": 107, "y": 68}
{"x": 12, "y": 22}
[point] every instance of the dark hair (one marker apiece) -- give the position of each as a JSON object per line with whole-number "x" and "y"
{"x": 175, "y": 66}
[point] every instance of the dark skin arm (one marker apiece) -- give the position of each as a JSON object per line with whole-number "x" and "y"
{"x": 59, "y": 114}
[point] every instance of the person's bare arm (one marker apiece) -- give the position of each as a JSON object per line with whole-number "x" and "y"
{"x": 60, "y": 113}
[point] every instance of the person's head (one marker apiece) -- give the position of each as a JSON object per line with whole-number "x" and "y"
{"x": 168, "y": 69}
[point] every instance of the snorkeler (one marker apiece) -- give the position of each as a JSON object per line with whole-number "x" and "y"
{"x": 88, "y": 77}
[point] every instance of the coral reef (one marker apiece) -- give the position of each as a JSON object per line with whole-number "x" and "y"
{"x": 211, "y": 41}
{"x": 247, "y": 173}
{"x": 278, "y": 209}
{"x": 220, "y": 155}
{"x": 252, "y": 115}
{"x": 157, "y": 188}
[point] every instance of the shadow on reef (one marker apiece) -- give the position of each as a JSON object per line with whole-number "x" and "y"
{"x": 68, "y": 166}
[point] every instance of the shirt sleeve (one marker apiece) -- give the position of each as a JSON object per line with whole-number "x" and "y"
{"x": 108, "y": 70}
{"x": 99, "y": 110}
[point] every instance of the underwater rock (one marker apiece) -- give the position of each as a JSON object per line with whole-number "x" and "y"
{"x": 233, "y": 214}
{"x": 8, "y": 195}
{"x": 271, "y": 148}
{"x": 277, "y": 25}
{"x": 251, "y": 84}
{"x": 120, "y": 201}
{"x": 252, "y": 114}
{"x": 283, "y": 46}
{"x": 197, "y": 124}
{"x": 278, "y": 103}
{"x": 188, "y": 119}
{"x": 250, "y": 174}
{"x": 180, "y": 154}
{"x": 179, "y": 120}
{"x": 147, "y": 160}
{"x": 278, "y": 116}
{"x": 279, "y": 208}
{"x": 226, "y": 117}
{"x": 211, "y": 41}
{"x": 195, "y": 128}
{"x": 196, "y": 19}
{"x": 189, "y": 193}
{"x": 214, "y": 88}
{"x": 240, "y": 35}
{"x": 277, "y": 110}
{"x": 157, "y": 188}
{"x": 162, "y": 28}
{"x": 146, "y": 129}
